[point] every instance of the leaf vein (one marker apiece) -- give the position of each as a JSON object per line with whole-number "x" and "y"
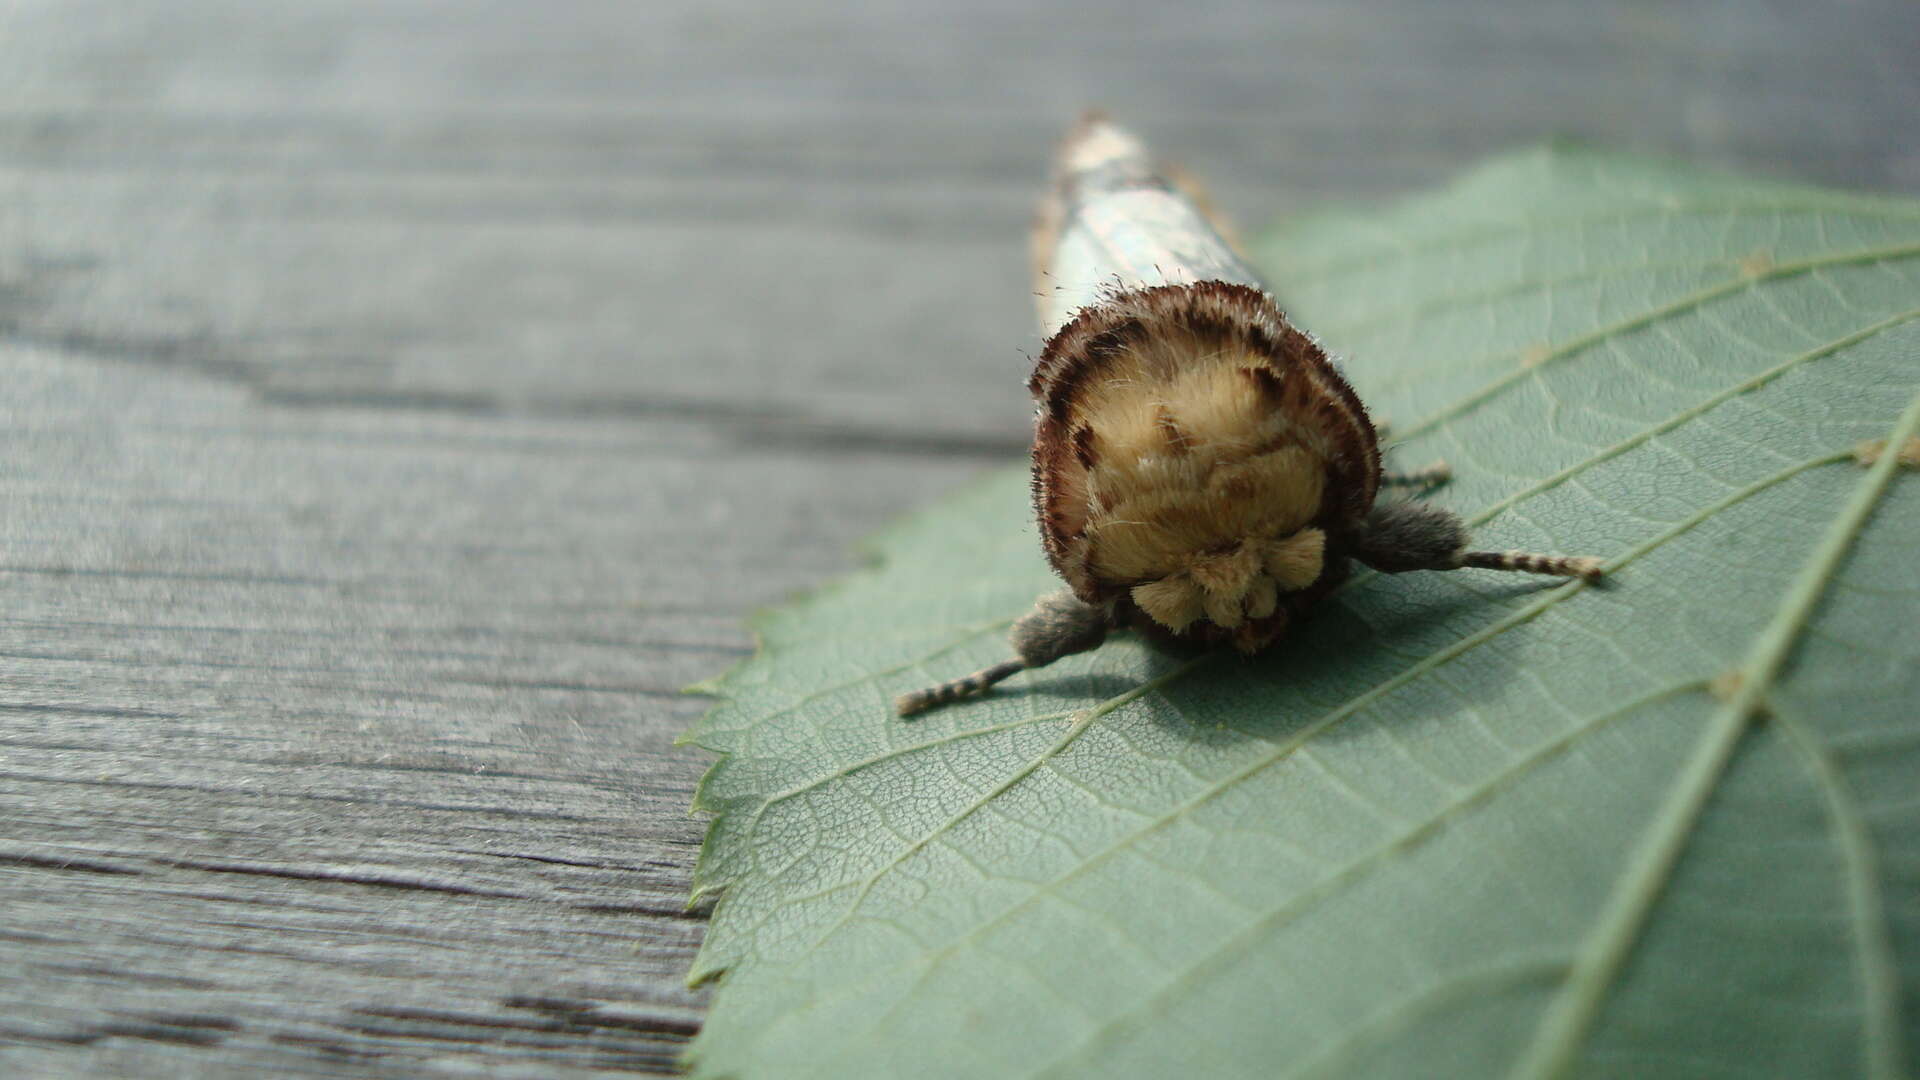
{"x": 1682, "y": 417}
{"x": 1237, "y": 944}
{"x": 1606, "y": 334}
{"x": 1072, "y": 733}
{"x": 1336, "y": 1060}
{"x": 1879, "y": 979}
{"x": 1531, "y": 227}
{"x": 1352, "y": 706}
{"x": 1569, "y": 1019}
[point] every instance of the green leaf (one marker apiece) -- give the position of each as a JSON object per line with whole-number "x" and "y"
{"x": 1459, "y": 824}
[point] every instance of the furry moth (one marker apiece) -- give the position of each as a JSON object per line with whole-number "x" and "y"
{"x": 1202, "y": 472}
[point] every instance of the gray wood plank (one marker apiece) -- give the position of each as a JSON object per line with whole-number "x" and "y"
{"x": 404, "y": 400}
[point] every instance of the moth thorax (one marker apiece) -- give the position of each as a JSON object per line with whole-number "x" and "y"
{"x": 1195, "y": 457}
{"x": 1200, "y": 489}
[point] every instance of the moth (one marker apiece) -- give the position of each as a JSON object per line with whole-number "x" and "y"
{"x": 1202, "y": 472}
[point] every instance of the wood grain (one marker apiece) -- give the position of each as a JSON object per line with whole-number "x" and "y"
{"x": 405, "y": 400}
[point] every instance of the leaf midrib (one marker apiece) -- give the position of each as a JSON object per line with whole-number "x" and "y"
{"x": 1564, "y": 1027}
{"x": 1472, "y": 799}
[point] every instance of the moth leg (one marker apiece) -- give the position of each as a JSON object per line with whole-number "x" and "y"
{"x": 1431, "y": 476}
{"x": 1060, "y": 624}
{"x": 1401, "y": 536}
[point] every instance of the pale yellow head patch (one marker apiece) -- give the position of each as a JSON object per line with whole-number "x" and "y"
{"x": 1200, "y": 491}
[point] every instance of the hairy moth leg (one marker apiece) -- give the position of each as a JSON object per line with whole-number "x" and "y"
{"x": 1401, "y": 536}
{"x": 1060, "y": 624}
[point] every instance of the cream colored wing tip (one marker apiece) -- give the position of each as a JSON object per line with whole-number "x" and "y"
{"x": 1095, "y": 140}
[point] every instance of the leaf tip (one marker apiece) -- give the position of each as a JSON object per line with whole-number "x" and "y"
{"x": 701, "y": 974}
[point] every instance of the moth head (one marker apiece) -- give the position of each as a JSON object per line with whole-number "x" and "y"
{"x": 1195, "y": 455}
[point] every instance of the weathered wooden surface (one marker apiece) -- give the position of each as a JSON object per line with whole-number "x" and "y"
{"x": 403, "y": 400}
